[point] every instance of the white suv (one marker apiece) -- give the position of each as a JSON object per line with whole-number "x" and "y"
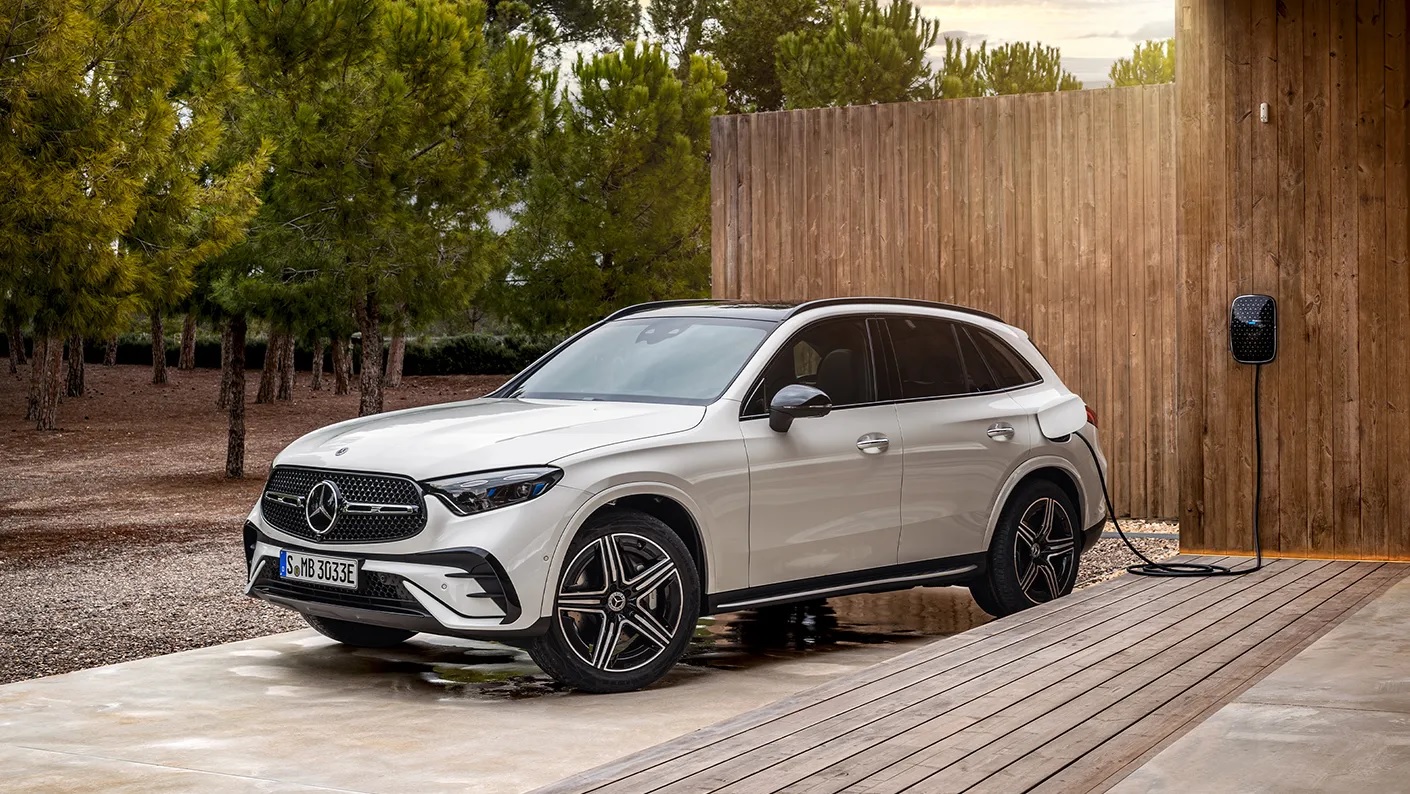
{"x": 686, "y": 458}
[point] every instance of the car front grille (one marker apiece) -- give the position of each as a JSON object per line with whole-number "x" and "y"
{"x": 289, "y": 486}
{"x": 375, "y": 590}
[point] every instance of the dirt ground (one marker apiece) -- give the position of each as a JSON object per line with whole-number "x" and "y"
{"x": 134, "y": 481}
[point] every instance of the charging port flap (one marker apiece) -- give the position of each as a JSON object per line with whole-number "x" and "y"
{"x": 1062, "y": 416}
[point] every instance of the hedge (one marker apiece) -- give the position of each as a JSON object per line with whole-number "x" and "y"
{"x": 468, "y": 354}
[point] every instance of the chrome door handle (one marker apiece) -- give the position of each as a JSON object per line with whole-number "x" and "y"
{"x": 872, "y": 443}
{"x": 1000, "y": 431}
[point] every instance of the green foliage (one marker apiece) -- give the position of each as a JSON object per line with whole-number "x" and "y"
{"x": 868, "y": 54}
{"x": 83, "y": 92}
{"x": 1023, "y": 68}
{"x": 1151, "y": 63}
{"x": 745, "y": 41}
{"x": 397, "y": 127}
{"x": 593, "y": 21}
{"x": 962, "y": 71}
{"x": 196, "y": 201}
{"x": 678, "y": 26}
{"x": 616, "y": 209}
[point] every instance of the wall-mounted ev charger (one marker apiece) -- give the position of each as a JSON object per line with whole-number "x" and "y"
{"x": 1253, "y": 339}
{"x": 1253, "y": 329}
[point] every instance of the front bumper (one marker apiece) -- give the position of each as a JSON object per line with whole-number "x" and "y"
{"x": 481, "y": 576}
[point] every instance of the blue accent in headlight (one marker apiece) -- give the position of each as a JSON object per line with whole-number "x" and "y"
{"x": 476, "y": 492}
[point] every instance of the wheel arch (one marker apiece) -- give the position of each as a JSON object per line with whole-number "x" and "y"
{"x": 663, "y": 501}
{"x": 1052, "y": 469}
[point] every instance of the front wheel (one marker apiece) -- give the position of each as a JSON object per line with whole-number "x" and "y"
{"x": 626, "y": 605}
{"x": 1034, "y": 555}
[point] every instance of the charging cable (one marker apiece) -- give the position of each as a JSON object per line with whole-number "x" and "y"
{"x": 1149, "y": 567}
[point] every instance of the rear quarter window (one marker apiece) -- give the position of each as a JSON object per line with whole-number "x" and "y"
{"x": 1008, "y": 368}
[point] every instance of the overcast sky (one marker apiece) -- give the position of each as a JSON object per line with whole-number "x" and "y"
{"x": 1091, "y": 33}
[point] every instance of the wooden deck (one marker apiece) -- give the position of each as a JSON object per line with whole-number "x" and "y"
{"x": 1069, "y": 696}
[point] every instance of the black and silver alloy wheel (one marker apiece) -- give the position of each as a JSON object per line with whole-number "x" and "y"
{"x": 1044, "y": 555}
{"x": 619, "y": 605}
{"x": 626, "y": 605}
{"x": 1034, "y": 554}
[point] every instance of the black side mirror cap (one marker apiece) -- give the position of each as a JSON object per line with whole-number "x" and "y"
{"x": 796, "y": 401}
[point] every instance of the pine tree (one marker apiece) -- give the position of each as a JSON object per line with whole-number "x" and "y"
{"x": 83, "y": 91}
{"x": 381, "y": 113}
{"x": 744, "y": 39}
{"x": 870, "y": 53}
{"x": 1024, "y": 68}
{"x": 1151, "y": 63}
{"x": 616, "y": 210}
{"x": 962, "y": 70}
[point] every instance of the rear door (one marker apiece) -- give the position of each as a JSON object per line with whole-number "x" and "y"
{"x": 963, "y": 433}
{"x": 824, "y": 497}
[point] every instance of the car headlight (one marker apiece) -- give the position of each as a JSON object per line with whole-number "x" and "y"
{"x": 467, "y": 494}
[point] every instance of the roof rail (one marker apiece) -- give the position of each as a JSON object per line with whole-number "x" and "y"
{"x": 825, "y": 302}
{"x": 648, "y": 306}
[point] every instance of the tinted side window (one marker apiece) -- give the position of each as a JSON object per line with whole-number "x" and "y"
{"x": 1008, "y": 366}
{"x": 833, "y": 355}
{"x": 927, "y": 357}
{"x": 980, "y": 379}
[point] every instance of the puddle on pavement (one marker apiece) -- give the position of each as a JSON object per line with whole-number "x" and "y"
{"x": 734, "y": 641}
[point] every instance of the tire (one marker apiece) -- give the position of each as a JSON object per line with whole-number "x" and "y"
{"x": 625, "y": 605}
{"x": 359, "y": 635}
{"x": 1034, "y": 556}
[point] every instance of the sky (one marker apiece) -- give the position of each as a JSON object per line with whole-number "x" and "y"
{"x": 1091, "y": 33}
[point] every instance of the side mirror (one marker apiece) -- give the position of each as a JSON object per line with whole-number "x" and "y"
{"x": 796, "y": 401}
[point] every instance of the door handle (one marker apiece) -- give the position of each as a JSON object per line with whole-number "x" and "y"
{"x": 873, "y": 443}
{"x": 1000, "y": 431}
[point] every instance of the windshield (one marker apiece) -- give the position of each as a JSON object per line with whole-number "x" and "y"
{"x": 688, "y": 360}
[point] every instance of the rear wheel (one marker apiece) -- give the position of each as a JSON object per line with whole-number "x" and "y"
{"x": 626, "y": 605}
{"x": 1034, "y": 555}
{"x": 359, "y": 635}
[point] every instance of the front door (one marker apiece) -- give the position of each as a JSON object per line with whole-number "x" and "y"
{"x": 824, "y": 497}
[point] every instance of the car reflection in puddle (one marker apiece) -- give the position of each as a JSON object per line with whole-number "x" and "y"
{"x": 734, "y": 641}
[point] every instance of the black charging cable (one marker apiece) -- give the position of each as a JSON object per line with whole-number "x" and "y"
{"x": 1149, "y": 567}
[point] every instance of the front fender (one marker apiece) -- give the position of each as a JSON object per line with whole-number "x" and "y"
{"x": 605, "y": 497}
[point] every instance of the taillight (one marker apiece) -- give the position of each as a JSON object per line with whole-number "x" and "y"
{"x": 1091, "y": 416}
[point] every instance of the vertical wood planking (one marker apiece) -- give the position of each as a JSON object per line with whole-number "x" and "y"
{"x": 1316, "y": 241}
{"x": 1164, "y": 481}
{"x": 1291, "y": 506}
{"x": 1397, "y": 301}
{"x": 1346, "y": 460}
{"x": 1371, "y": 282}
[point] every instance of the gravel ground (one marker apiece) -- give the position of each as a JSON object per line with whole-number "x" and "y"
{"x": 118, "y": 541}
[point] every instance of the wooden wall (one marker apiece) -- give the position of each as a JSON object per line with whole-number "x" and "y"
{"x": 1055, "y": 211}
{"x": 1311, "y": 208}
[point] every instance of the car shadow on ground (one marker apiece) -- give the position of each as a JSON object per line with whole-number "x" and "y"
{"x": 721, "y": 644}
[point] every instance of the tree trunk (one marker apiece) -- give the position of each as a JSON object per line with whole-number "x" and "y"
{"x": 396, "y": 355}
{"x": 342, "y": 365}
{"x": 369, "y": 322}
{"x": 36, "y": 376}
{"x": 74, "y": 388}
{"x": 16, "y": 346}
{"x": 235, "y": 444}
{"x": 318, "y": 364}
{"x": 110, "y": 355}
{"x": 222, "y": 400}
{"x": 188, "y": 343}
{"x": 158, "y": 350}
{"x": 286, "y": 369}
{"x": 269, "y": 376}
{"x": 47, "y": 416}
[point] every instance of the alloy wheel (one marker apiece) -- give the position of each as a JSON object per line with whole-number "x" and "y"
{"x": 620, "y": 603}
{"x": 1045, "y": 554}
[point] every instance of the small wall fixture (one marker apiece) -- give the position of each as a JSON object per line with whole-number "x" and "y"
{"x": 1263, "y": 112}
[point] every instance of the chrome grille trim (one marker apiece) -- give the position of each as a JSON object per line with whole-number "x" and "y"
{"x": 378, "y": 507}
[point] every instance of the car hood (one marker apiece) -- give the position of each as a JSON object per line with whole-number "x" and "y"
{"x": 478, "y": 435}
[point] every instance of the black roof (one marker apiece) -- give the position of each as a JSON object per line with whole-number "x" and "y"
{"x": 776, "y": 312}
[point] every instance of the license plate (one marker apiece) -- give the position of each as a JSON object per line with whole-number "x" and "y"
{"x": 333, "y": 571}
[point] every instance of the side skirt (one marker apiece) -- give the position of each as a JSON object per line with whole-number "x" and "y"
{"x": 926, "y": 573}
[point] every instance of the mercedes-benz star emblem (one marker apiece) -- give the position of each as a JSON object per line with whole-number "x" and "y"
{"x": 323, "y": 506}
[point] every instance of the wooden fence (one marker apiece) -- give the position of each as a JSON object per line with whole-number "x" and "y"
{"x": 1055, "y": 211}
